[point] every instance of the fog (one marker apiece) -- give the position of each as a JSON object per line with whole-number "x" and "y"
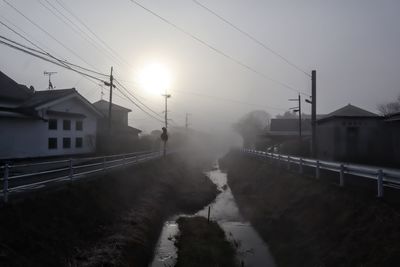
{"x": 353, "y": 45}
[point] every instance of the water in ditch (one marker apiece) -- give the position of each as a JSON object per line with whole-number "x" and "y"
{"x": 251, "y": 249}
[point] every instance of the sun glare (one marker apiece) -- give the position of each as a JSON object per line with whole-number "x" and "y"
{"x": 155, "y": 78}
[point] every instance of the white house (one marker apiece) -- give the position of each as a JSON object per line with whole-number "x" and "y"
{"x": 44, "y": 123}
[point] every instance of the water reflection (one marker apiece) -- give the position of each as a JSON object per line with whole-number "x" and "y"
{"x": 251, "y": 249}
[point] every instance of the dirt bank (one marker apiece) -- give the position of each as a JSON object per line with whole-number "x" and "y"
{"x": 313, "y": 223}
{"x": 114, "y": 220}
{"x": 201, "y": 244}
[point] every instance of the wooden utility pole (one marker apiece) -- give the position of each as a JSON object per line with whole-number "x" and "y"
{"x": 166, "y": 109}
{"x": 110, "y": 103}
{"x": 314, "y": 113}
{"x": 187, "y": 121}
{"x": 166, "y": 123}
{"x": 300, "y": 117}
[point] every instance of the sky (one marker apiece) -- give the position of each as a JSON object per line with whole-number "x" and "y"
{"x": 352, "y": 44}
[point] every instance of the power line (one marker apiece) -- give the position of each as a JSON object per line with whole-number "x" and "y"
{"x": 60, "y": 2}
{"x": 252, "y": 38}
{"x": 77, "y": 29}
{"x": 47, "y": 33}
{"x": 133, "y": 96}
{"x": 216, "y": 49}
{"x": 139, "y": 107}
{"x": 33, "y": 52}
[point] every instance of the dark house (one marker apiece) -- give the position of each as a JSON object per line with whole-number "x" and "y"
{"x": 352, "y": 134}
{"x": 123, "y": 137}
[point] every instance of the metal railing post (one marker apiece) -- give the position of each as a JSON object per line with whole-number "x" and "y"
{"x": 341, "y": 177}
{"x": 301, "y": 166}
{"x": 288, "y": 162}
{"x": 104, "y": 163}
{"x": 124, "y": 160}
{"x": 71, "y": 170}
{"x": 380, "y": 183}
{"x": 5, "y": 183}
{"x": 317, "y": 169}
{"x": 279, "y": 160}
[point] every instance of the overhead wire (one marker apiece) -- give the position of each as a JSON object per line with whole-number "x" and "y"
{"x": 262, "y": 44}
{"x": 139, "y": 107}
{"x": 31, "y": 51}
{"x": 133, "y": 96}
{"x": 115, "y": 53}
{"x": 77, "y": 29}
{"x": 47, "y": 33}
{"x": 231, "y": 58}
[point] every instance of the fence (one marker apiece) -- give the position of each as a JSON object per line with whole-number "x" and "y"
{"x": 25, "y": 177}
{"x": 383, "y": 176}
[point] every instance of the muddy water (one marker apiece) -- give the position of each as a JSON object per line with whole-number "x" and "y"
{"x": 251, "y": 249}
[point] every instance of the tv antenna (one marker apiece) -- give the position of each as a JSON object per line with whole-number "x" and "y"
{"x": 49, "y": 73}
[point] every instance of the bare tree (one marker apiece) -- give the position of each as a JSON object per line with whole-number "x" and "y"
{"x": 252, "y": 125}
{"x": 389, "y": 107}
{"x": 287, "y": 115}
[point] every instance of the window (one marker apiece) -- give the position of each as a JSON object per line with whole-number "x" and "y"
{"x": 67, "y": 125}
{"x": 66, "y": 142}
{"x": 78, "y": 142}
{"x": 79, "y": 125}
{"x": 52, "y": 124}
{"x": 52, "y": 143}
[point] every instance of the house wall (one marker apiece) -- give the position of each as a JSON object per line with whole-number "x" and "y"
{"x": 21, "y": 138}
{"x": 353, "y": 140}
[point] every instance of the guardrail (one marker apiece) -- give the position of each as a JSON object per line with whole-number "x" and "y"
{"x": 383, "y": 176}
{"x": 25, "y": 177}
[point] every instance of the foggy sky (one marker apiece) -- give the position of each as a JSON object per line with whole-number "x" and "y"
{"x": 353, "y": 45}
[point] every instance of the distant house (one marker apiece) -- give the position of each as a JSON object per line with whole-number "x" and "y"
{"x": 122, "y": 136}
{"x": 353, "y": 134}
{"x": 44, "y": 123}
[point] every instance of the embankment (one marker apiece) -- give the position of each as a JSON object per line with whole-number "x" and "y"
{"x": 113, "y": 220}
{"x": 313, "y": 223}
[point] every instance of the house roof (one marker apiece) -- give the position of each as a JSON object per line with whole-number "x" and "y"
{"x": 103, "y": 105}
{"x": 393, "y": 117}
{"x": 349, "y": 111}
{"x": 42, "y": 97}
{"x": 9, "y": 89}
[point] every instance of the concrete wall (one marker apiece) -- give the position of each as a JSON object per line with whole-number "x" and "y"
{"x": 21, "y": 138}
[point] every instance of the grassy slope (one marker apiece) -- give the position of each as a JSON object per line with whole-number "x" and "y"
{"x": 113, "y": 220}
{"x": 312, "y": 223}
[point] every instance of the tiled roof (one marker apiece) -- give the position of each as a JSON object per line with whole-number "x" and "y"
{"x": 351, "y": 111}
{"x": 43, "y": 97}
{"x": 9, "y": 89}
{"x": 102, "y": 105}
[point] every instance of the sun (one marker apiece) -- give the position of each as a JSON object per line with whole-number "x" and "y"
{"x": 155, "y": 78}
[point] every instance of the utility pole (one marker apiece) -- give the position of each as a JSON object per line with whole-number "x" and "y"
{"x": 49, "y": 73}
{"x": 164, "y": 136}
{"x": 313, "y": 103}
{"x": 166, "y": 109}
{"x": 187, "y": 120}
{"x": 314, "y": 113}
{"x": 298, "y": 109}
{"x": 111, "y": 84}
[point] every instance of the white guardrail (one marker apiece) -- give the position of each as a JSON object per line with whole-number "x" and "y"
{"x": 25, "y": 177}
{"x": 383, "y": 176}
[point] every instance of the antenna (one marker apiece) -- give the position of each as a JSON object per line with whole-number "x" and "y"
{"x": 49, "y": 73}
